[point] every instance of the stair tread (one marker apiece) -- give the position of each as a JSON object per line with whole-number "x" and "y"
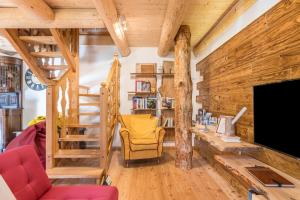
{"x": 82, "y": 125}
{"x": 74, "y": 172}
{"x": 89, "y": 113}
{"x": 77, "y": 153}
{"x": 47, "y": 54}
{"x": 54, "y": 67}
{"x": 77, "y": 138}
{"x": 39, "y": 39}
{"x": 89, "y": 95}
{"x": 90, "y": 104}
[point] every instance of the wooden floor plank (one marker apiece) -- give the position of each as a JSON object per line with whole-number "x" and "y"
{"x": 148, "y": 180}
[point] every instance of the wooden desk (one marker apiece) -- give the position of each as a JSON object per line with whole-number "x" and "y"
{"x": 237, "y": 166}
{"x": 215, "y": 141}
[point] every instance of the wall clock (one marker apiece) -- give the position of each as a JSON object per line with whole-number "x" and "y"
{"x": 32, "y": 82}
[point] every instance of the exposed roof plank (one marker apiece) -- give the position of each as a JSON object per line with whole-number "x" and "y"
{"x": 108, "y": 12}
{"x": 20, "y": 47}
{"x": 64, "y": 18}
{"x": 173, "y": 19}
{"x": 230, "y": 15}
{"x": 35, "y": 9}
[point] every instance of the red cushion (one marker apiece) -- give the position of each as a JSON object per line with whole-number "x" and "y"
{"x": 81, "y": 193}
{"x": 23, "y": 173}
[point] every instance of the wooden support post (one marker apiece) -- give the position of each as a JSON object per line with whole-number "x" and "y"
{"x": 51, "y": 128}
{"x": 183, "y": 98}
{"x": 103, "y": 126}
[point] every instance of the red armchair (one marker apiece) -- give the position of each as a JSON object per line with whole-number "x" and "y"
{"x": 26, "y": 178}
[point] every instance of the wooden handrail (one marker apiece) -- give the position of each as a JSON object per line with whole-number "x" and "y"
{"x": 109, "y": 110}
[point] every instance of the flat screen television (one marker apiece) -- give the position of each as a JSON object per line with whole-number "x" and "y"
{"x": 277, "y": 116}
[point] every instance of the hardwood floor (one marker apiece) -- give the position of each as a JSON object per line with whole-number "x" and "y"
{"x": 147, "y": 180}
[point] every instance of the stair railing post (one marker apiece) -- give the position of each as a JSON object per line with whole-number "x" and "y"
{"x": 103, "y": 125}
{"x": 51, "y": 125}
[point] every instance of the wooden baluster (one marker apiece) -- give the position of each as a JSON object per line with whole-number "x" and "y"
{"x": 63, "y": 108}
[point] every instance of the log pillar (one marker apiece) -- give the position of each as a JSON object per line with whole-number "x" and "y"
{"x": 183, "y": 98}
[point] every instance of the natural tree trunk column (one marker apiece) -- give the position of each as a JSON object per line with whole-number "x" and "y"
{"x": 183, "y": 98}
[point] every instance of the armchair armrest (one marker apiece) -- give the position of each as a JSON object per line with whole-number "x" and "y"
{"x": 124, "y": 132}
{"x": 160, "y": 134}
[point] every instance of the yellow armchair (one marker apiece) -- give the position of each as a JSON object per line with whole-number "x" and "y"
{"x": 141, "y": 138}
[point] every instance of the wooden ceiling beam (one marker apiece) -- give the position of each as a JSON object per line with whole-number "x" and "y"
{"x": 173, "y": 19}
{"x": 12, "y": 36}
{"x": 35, "y": 9}
{"x": 64, "y": 18}
{"x": 64, "y": 48}
{"x": 230, "y": 15}
{"x": 108, "y": 13}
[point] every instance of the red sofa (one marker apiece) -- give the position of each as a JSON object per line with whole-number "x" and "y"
{"x": 25, "y": 176}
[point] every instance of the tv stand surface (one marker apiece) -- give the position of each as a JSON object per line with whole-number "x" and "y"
{"x": 236, "y": 165}
{"x": 215, "y": 141}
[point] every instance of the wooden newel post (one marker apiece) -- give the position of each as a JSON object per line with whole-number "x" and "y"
{"x": 103, "y": 125}
{"x": 183, "y": 98}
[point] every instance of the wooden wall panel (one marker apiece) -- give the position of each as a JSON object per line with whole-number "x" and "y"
{"x": 267, "y": 51}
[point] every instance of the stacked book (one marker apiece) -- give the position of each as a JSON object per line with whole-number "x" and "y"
{"x": 169, "y": 122}
{"x": 168, "y": 102}
{"x": 144, "y": 103}
{"x": 231, "y": 139}
{"x": 142, "y": 86}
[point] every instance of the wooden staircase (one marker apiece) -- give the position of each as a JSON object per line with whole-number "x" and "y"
{"x": 99, "y": 134}
{"x": 49, "y": 53}
{"x": 52, "y": 55}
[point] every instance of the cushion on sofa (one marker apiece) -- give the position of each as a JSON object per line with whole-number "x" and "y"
{"x": 23, "y": 173}
{"x": 143, "y": 128}
{"x": 81, "y": 193}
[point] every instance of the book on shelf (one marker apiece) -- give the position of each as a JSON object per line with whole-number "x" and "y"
{"x": 231, "y": 138}
{"x": 142, "y": 86}
{"x": 144, "y": 103}
{"x": 168, "y": 102}
{"x": 169, "y": 122}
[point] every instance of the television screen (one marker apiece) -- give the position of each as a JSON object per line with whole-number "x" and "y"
{"x": 277, "y": 116}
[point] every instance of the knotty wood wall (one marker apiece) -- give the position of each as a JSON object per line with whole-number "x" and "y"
{"x": 267, "y": 51}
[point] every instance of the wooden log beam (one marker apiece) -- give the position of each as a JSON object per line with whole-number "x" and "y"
{"x": 108, "y": 13}
{"x": 64, "y": 18}
{"x": 64, "y": 48}
{"x": 230, "y": 15}
{"x": 173, "y": 19}
{"x": 183, "y": 98}
{"x": 12, "y": 36}
{"x": 35, "y": 9}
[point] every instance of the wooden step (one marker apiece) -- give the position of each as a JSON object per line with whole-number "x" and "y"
{"x": 74, "y": 172}
{"x": 77, "y": 153}
{"x": 89, "y": 113}
{"x": 79, "y": 138}
{"x": 82, "y": 125}
{"x": 47, "y": 54}
{"x": 54, "y": 67}
{"x": 89, "y": 95}
{"x": 39, "y": 39}
{"x": 90, "y": 104}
